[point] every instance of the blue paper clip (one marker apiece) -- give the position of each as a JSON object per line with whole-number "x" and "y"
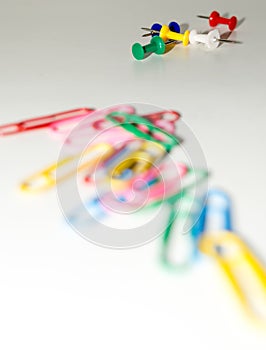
{"x": 215, "y": 215}
{"x": 84, "y": 214}
{"x": 217, "y": 212}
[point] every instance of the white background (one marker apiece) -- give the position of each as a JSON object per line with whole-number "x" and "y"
{"x": 56, "y": 289}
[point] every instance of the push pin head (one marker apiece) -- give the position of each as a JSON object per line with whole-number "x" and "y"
{"x": 211, "y": 40}
{"x": 156, "y": 27}
{"x": 173, "y": 26}
{"x": 156, "y": 45}
{"x": 215, "y": 19}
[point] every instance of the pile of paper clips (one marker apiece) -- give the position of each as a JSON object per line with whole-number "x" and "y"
{"x": 164, "y": 37}
{"x": 126, "y": 148}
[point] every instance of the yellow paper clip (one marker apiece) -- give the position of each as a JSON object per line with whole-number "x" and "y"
{"x": 245, "y": 272}
{"x": 48, "y": 178}
{"x": 140, "y": 160}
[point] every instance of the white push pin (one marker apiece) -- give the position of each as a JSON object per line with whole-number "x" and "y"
{"x": 211, "y": 40}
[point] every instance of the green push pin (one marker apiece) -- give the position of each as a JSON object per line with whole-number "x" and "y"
{"x": 157, "y": 45}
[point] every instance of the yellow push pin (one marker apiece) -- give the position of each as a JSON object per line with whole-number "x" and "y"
{"x": 166, "y": 34}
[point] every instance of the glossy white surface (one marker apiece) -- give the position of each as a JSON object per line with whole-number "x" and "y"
{"x": 59, "y": 291}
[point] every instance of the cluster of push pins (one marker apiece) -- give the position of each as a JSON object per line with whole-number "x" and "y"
{"x": 163, "y": 35}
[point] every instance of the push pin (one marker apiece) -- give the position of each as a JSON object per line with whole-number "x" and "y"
{"x": 156, "y": 27}
{"x": 215, "y": 19}
{"x": 167, "y": 34}
{"x": 157, "y": 45}
{"x": 211, "y": 40}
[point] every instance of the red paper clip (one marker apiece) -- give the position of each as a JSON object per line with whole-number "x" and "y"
{"x": 165, "y": 120}
{"x": 167, "y": 115}
{"x": 44, "y": 122}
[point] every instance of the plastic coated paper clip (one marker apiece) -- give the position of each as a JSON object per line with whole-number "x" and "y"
{"x": 62, "y": 170}
{"x": 179, "y": 247}
{"x": 43, "y": 122}
{"x": 244, "y": 271}
{"x": 136, "y": 125}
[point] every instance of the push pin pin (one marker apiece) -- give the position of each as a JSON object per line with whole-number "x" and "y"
{"x": 211, "y": 40}
{"x": 157, "y": 45}
{"x": 156, "y": 27}
{"x": 215, "y": 19}
{"x": 167, "y": 34}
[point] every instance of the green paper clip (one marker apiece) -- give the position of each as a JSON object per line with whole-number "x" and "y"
{"x": 185, "y": 216}
{"x": 180, "y": 238}
{"x": 132, "y": 123}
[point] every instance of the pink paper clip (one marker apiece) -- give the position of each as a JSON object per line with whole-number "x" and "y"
{"x": 158, "y": 190}
{"x": 44, "y": 121}
{"x": 87, "y": 130}
{"x": 152, "y": 186}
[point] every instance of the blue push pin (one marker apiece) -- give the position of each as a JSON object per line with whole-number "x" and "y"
{"x": 156, "y": 27}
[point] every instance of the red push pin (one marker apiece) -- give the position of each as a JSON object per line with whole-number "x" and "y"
{"x": 216, "y": 19}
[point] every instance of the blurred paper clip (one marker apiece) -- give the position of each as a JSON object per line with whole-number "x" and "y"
{"x": 62, "y": 170}
{"x": 147, "y": 155}
{"x": 144, "y": 129}
{"x": 218, "y": 211}
{"x": 155, "y": 191}
{"x": 244, "y": 271}
{"x": 185, "y": 223}
{"x": 165, "y": 120}
{"x": 44, "y": 121}
{"x": 87, "y": 128}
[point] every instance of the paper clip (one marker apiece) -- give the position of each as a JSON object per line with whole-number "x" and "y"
{"x": 84, "y": 214}
{"x": 132, "y": 162}
{"x": 217, "y": 211}
{"x": 133, "y": 123}
{"x": 140, "y": 160}
{"x": 110, "y": 162}
{"x": 55, "y": 173}
{"x": 104, "y": 183}
{"x": 142, "y": 186}
{"x": 165, "y": 120}
{"x": 95, "y": 122}
{"x": 193, "y": 177}
{"x": 163, "y": 185}
{"x": 154, "y": 191}
{"x": 106, "y": 131}
{"x": 44, "y": 122}
{"x": 96, "y": 129}
{"x": 179, "y": 247}
{"x": 244, "y": 271}
{"x": 110, "y": 166}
